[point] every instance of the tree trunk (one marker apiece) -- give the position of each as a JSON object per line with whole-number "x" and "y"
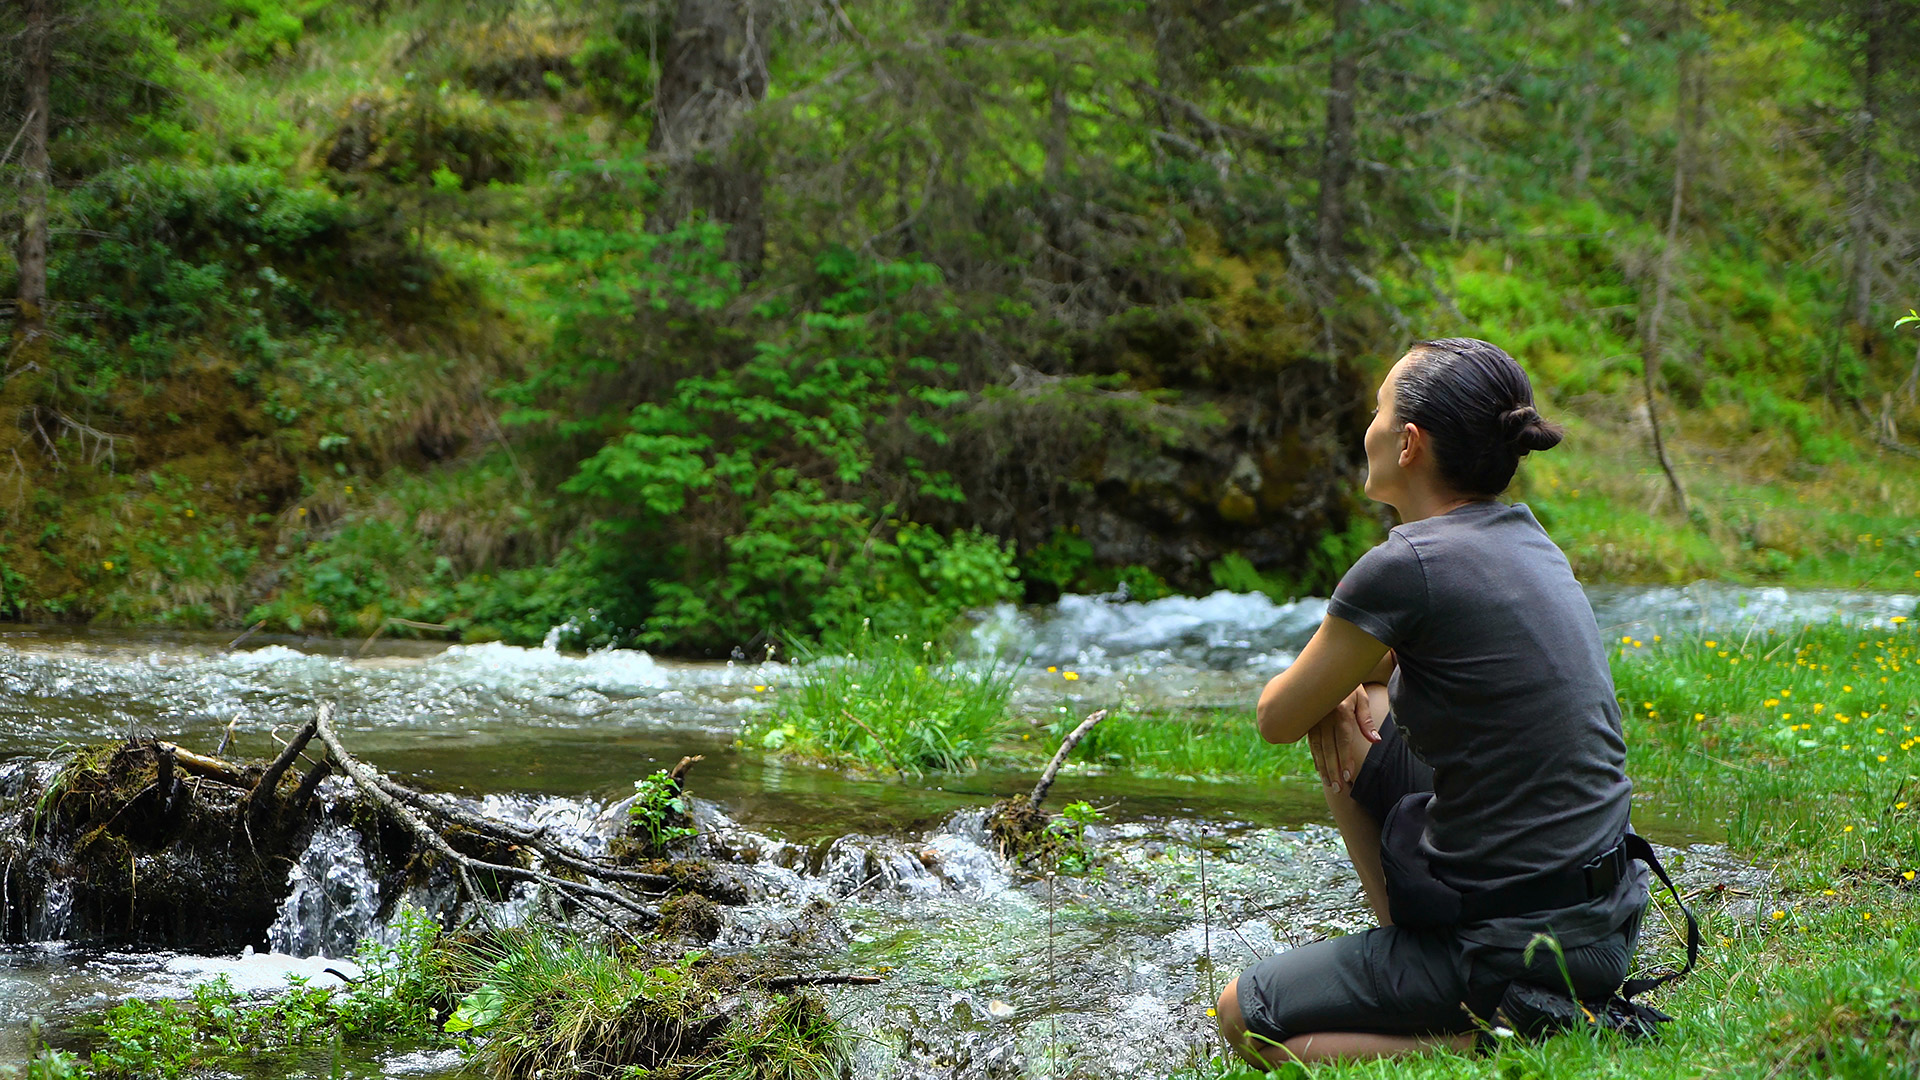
{"x": 1336, "y": 158}
{"x": 1650, "y": 325}
{"x": 1583, "y": 129}
{"x": 1867, "y": 124}
{"x": 1059, "y": 119}
{"x": 713, "y": 72}
{"x": 30, "y": 322}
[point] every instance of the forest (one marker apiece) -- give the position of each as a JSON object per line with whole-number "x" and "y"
{"x": 696, "y": 325}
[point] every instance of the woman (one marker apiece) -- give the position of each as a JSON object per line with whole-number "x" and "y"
{"x": 1468, "y": 621}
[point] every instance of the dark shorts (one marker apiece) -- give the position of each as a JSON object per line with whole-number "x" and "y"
{"x": 1395, "y": 981}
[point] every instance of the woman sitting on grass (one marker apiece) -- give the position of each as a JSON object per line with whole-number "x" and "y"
{"x": 1468, "y": 623}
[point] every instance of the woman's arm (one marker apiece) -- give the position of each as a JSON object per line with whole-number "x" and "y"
{"x": 1339, "y": 658}
{"x": 1382, "y": 671}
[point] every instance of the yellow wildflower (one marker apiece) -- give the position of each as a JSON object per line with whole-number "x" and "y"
{"x": 1847, "y": 829}
{"x": 106, "y": 564}
{"x": 1713, "y": 644}
{"x": 1070, "y": 676}
{"x": 1777, "y": 916}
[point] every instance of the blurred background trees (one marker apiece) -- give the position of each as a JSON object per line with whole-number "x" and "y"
{"x": 694, "y": 322}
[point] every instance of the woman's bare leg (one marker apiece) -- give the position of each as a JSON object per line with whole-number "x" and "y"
{"x": 1359, "y": 831}
{"x": 1320, "y": 1046}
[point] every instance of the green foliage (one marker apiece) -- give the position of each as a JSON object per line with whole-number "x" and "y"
{"x": 228, "y": 253}
{"x": 753, "y": 467}
{"x": 658, "y": 813}
{"x": 1066, "y": 839}
{"x": 403, "y": 988}
{"x": 1234, "y": 573}
{"x": 888, "y": 701}
{"x": 1062, "y": 564}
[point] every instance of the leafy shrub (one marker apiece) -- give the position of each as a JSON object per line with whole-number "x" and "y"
{"x": 1235, "y": 573}
{"x": 407, "y": 136}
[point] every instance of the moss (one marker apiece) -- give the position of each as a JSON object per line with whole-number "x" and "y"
{"x": 691, "y": 917}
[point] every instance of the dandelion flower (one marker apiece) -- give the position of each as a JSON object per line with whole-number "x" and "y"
{"x": 1883, "y": 757}
{"x": 1847, "y": 829}
{"x": 1908, "y": 875}
{"x": 1051, "y": 669}
{"x": 1713, "y": 644}
{"x": 1070, "y": 676}
{"x": 106, "y": 564}
{"x": 1699, "y": 716}
{"x": 1777, "y": 916}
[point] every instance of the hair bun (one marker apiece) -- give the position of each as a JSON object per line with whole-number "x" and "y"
{"x": 1527, "y": 431}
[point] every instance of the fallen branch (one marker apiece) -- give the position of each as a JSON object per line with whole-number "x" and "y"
{"x": 787, "y": 982}
{"x": 206, "y": 768}
{"x": 263, "y": 792}
{"x": 372, "y": 786}
{"x": 1060, "y": 757}
{"x": 535, "y": 839}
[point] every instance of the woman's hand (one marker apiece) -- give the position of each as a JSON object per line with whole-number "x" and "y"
{"x": 1341, "y": 739}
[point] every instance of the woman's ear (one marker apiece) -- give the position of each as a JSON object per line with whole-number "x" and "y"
{"x": 1413, "y": 444}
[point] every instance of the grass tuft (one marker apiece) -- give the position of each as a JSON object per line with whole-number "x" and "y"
{"x": 889, "y": 702}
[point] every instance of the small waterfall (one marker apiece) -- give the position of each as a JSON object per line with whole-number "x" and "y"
{"x": 50, "y": 922}
{"x": 334, "y": 900}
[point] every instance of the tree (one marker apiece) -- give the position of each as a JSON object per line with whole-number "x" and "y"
{"x": 36, "y": 50}
{"x": 712, "y": 72}
{"x": 1687, "y": 94}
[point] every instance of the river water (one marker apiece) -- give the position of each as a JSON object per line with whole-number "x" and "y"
{"x": 991, "y": 973}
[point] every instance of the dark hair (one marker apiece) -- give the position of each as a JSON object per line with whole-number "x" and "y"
{"x": 1475, "y": 403}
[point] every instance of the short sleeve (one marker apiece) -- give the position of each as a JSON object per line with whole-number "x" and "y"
{"x": 1385, "y": 593}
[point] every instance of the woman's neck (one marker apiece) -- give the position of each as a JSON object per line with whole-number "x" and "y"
{"x": 1422, "y": 505}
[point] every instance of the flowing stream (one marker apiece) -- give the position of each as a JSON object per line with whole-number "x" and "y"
{"x": 990, "y": 973}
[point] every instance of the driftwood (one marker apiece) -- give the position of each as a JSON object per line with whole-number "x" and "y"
{"x": 206, "y": 768}
{"x": 1017, "y": 824}
{"x": 534, "y": 839}
{"x": 270, "y": 780}
{"x": 591, "y": 898}
{"x": 788, "y": 982}
{"x": 1067, "y": 744}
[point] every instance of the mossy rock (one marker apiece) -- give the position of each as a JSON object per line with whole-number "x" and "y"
{"x": 690, "y": 917}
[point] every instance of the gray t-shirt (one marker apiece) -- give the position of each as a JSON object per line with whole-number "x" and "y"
{"x": 1502, "y": 687}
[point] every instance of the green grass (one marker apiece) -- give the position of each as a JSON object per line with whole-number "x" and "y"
{"x": 1181, "y": 744}
{"x": 888, "y": 702}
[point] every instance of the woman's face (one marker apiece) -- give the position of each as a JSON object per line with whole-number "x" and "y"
{"x": 1386, "y": 480}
